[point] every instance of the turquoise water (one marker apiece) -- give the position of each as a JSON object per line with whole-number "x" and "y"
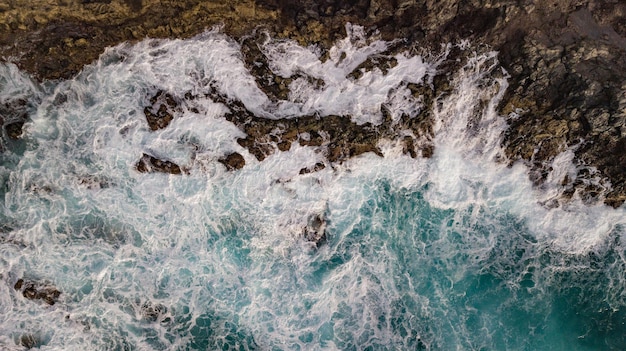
{"x": 455, "y": 252}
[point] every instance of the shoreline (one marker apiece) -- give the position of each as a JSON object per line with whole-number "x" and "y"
{"x": 566, "y": 59}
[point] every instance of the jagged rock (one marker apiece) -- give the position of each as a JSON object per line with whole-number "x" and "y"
{"x": 149, "y": 164}
{"x": 233, "y": 161}
{"x": 566, "y": 60}
{"x": 152, "y": 312}
{"x": 316, "y": 167}
{"x": 29, "y": 341}
{"x": 14, "y": 130}
{"x": 13, "y": 115}
{"x": 159, "y": 114}
{"x": 315, "y": 231}
{"x": 337, "y": 136}
{"x": 273, "y": 85}
{"x": 37, "y": 291}
{"x": 55, "y": 39}
{"x": 567, "y": 90}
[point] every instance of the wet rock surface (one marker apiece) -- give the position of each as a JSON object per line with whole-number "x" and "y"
{"x": 152, "y": 312}
{"x": 233, "y": 161}
{"x": 13, "y": 115}
{"x": 29, "y": 341}
{"x": 149, "y": 164}
{"x": 566, "y": 60}
{"x": 161, "y": 111}
{"x": 338, "y": 138}
{"x": 315, "y": 231}
{"x": 37, "y": 291}
{"x": 55, "y": 39}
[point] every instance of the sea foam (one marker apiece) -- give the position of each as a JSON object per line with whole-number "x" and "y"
{"x": 456, "y": 251}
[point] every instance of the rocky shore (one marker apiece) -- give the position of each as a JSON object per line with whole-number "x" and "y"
{"x": 566, "y": 60}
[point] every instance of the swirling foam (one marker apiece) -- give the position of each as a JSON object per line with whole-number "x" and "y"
{"x": 451, "y": 252}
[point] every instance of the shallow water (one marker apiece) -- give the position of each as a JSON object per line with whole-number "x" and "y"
{"x": 454, "y": 252}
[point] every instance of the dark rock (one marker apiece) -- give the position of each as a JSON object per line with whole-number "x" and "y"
{"x": 38, "y": 291}
{"x": 13, "y": 115}
{"x": 160, "y": 113}
{"x": 149, "y": 164}
{"x": 317, "y": 167}
{"x": 566, "y": 87}
{"x": 14, "y": 130}
{"x": 233, "y": 161}
{"x": 57, "y": 38}
{"x": 315, "y": 231}
{"x": 94, "y": 182}
{"x": 29, "y": 341}
{"x": 273, "y": 85}
{"x": 152, "y": 312}
{"x": 566, "y": 60}
{"x": 338, "y": 137}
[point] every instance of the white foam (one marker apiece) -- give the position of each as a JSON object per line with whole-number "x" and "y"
{"x": 230, "y": 244}
{"x": 360, "y": 99}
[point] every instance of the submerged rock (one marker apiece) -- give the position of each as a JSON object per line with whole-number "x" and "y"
{"x": 149, "y": 164}
{"x": 152, "y": 312}
{"x": 317, "y": 167}
{"x": 315, "y": 231}
{"x": 38, "y": 291}
{"x": 14, "y": 130}
{"x": 29, "y": 341}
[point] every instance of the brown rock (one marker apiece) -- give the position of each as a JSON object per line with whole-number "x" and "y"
{"x": 566, "y": 60}
{"x": 38, "y": 291}
{"x": 149, "y": 164}
{"x": 14, "y": 130}
{"x": 315, "y": 231}
{"x": 160, "y": 113}
{"x": 317, "y": 167}
{"x": 233, "y": 161}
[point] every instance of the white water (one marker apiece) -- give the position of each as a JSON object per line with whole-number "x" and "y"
{"x": 410, "y": 241}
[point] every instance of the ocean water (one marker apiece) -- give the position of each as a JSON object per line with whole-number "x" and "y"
{"x": 454, "y": 252}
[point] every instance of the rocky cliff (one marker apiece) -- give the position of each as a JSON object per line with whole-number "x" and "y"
{"x": 566, "y": 58}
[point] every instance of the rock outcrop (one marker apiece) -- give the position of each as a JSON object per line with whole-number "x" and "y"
{"x": 233, "y": 161}
{"x": 149, "y": 164}
{"x": 566, "y": 60}
{"x": 160, "y": 113}
{"x": 38, "y": 291}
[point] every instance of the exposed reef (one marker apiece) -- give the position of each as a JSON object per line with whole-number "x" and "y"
{"x": 566, "y": 60}
{"x": 38, "y": 291}
{"x": 149, "y": 164}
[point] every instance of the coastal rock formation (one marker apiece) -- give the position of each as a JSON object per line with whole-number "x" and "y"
{"x": 336, "y": 137}
{"x": 233, "y": 161}
{"x": 566, "y": 61}
{"x": 13, "y": 114}
{"x": 38, "y": 291}
{"x": 159, "y": 114}
{"x": 315, "y": 231}
{"x": 55, "y": 39}
{"x": 149, "y": 164}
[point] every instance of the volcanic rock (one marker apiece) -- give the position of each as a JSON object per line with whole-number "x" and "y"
{"x": 149, "y": 164}
{"x": 37, "y": 291}
{"x": 315, "y": 231}
{"x": 566, "y": 61}
{"x": 233, "y": 161}
{"x": 159, "y": 114}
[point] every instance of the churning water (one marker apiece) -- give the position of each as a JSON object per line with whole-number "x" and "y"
{"x": 453, "y": 252}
